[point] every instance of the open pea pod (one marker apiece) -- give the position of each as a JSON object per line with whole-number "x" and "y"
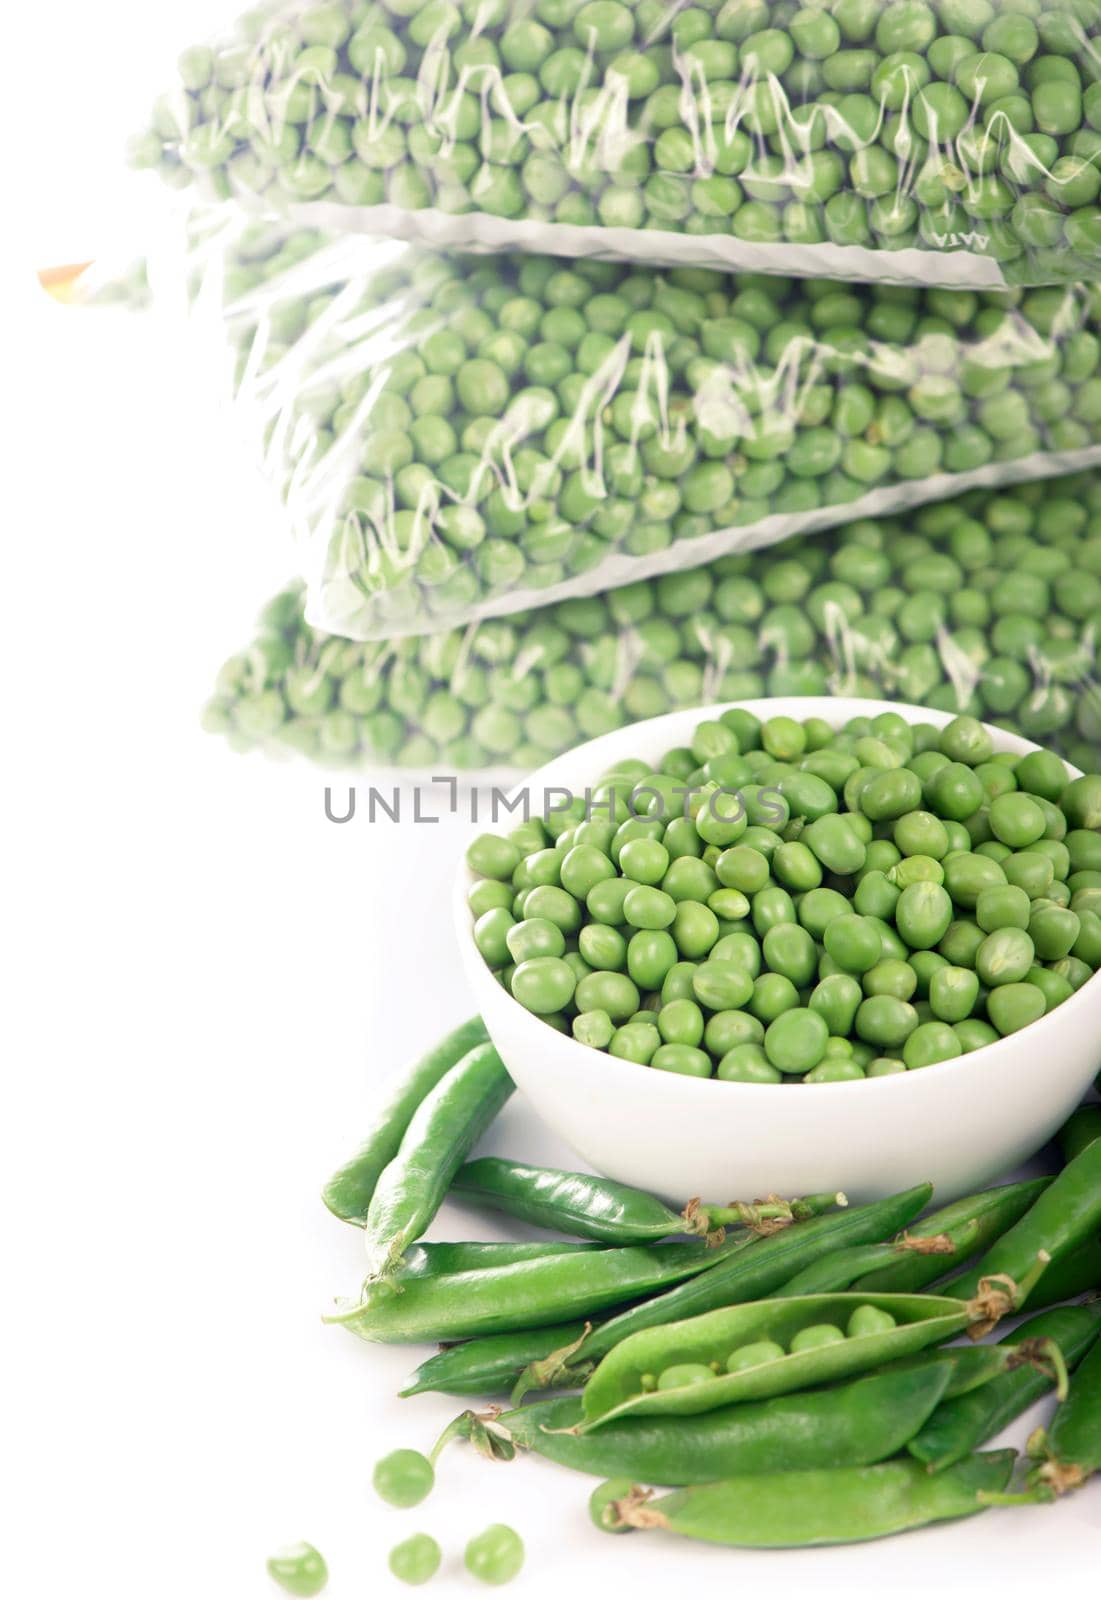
{"x": 642, "y": 1375}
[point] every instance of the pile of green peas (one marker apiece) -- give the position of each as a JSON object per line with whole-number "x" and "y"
{"x": 471, "y": 431}
{"x": 988, "y": 604}
{"x": 939, "y": 125}
{"x": 782, "y": 900}
{"x": 686, "y": 1374}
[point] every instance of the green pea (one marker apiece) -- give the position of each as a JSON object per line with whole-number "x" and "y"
{"x": 758, "y": 1354}
{"x": 953, "y": 993}
{"x": 611, "y": 992}
{"x": 685, "y": 1375}
{"x": 1017, "y": 820}
{"x": 594, "y": 1028}
{"x": 1013, "y": 1006}
{"x": 973, "y": 1033}
{"x": 682, "y": 1058}
{"x": 635, "y": 1041}
{"x": 495, "y": 1555}
{"x": 1004, "y": 957}
{"x": 536, "y": 936}
{"x": 928, "y": 1043}
{"x": 816, "y": 1337}
{"x": 415, "y": 1559}
{"x": 923, "y": 914}
{"x": 646, "y": 907}
{"x": 837, "y": 999}
{"x": 299, "y": 1569}
{"x": 853, "y": 942}
{"x": 885, "y": 1022}
{"x": 403, "y": 1478}
{"x": 868, "y": 1320}
{"x": 795, "y": 1041}
{"x": 747, "y": 1063}
{"x": 492, "y": 857}
{"x": 742, "y": 868}
{"x": 723, "y": 985}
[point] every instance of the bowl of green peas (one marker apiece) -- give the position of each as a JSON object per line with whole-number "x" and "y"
{"x": 794, "y": 945}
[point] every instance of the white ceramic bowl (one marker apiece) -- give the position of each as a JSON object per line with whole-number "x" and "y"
{"x": 958, "y": 1124}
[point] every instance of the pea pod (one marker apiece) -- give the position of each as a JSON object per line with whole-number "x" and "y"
{"x": 590, "y": 1207}
{"x": 1069, "y": 1451}
{"x": 439, "y": 1257}
{"x": 851, "y": 1424}
{"x": 972, "y": 1364}
{"x": 841, "y": 1505}
{"x": 1080, "y": 1129}
{"x": 1066, "y": 1216}
{"x": 490, "y": 1365}
{"x": 449, "y": 1120}
{"x": 527, "y": 1294}
{"x": 991, "y": 1212}
{"x": 348, "y": 1192}
{"x": 688, "y": 1366}
{"x": 1042, "y": 1345}
{"x": 571, "y": 1202}
{"x": 748, "y": 1277}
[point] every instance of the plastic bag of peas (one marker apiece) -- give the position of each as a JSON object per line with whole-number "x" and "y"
{"x": 948, "y": 142}
{"x": 989, "y": 603}
{"x": 470, "y": 436}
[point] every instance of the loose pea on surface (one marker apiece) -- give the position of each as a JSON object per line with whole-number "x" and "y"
{"x": 415, "y": 1559}
{"x": 299, "y": 1569}
{"x": 495, "y": 1555}
{"x": 403, "y": 1478}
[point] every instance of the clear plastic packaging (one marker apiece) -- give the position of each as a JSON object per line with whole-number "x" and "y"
{"x": 954, "y": 142}
{"x": 989, "y": 603}
{"x": 465, "y": 437}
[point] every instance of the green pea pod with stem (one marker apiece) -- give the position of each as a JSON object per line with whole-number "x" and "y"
{"x": 840, "y": 1505}
{"x": 439, "y": 1257}
{"x": 972, "y": 1364}
{"x": 842, "y": 1269}
{"x": 643, "y": 1375}
{"x": 349, "y": 1191}
{"x": 851, "y": 1424}
{"x": 490, "y": 1365}
{"x": 758, "y": 1273}
{"x": 1045, "y": 1347}
{"x": 527, "y": 1294}
{"x": 991, "y": 1213}
{"x": 1080, "y": 1129}
{"x": 1069, "y": 1452}
{"x": 590, "y": 1207}
{"x": 448, "y": 1122}
{"x": 1066, "y": 1216}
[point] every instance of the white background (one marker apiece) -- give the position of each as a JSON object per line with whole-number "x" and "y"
{"x": 205, "y": 978}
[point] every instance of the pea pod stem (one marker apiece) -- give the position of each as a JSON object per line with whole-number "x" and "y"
{"x": 761, "y": 1216}
{"x": 999, "y": 1294}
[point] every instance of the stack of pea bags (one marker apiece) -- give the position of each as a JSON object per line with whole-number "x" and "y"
{"x": 791, "y": 308}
